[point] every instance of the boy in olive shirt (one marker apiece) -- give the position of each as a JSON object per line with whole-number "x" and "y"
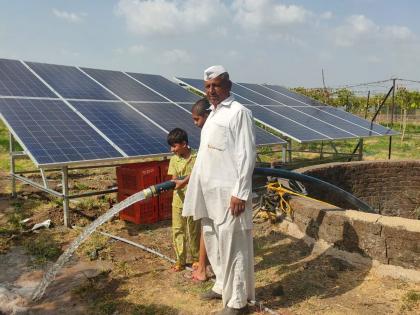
{"x": 184, "y": 229}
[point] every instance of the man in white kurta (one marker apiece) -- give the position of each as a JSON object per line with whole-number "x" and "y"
{"x": 219, "y": 193}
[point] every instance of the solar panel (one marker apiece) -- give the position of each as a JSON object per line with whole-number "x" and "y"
{"x": 350, "y": 123}
{"x": 170, "y": 116}
{"x": 280, "y": 98}
{"x": 123, "y": 86}
{"x": 70, "y": 82}
{"x": 17, "y": 80}
{"x": 252, "y": 97}
{"x": 377, "y": 129}
{"x": 304, "y": 100}
{"x": 199, "y": 85}
{"x": 329, "y": 131}
{"x": 129, "y": 130}
{"x": 53, "y": 133}
{"x": 285, "y": 125}
{"x": 165, "y": 87}
{"x": 262, "y": 137}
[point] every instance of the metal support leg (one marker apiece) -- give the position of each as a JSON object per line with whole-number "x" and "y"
{"x": 12, "y": 164}
{"x": 390, "y": 147}
{"x": 283, "y": 153}
{"x": 65, "y": 184}
{"x": 361, "y": 150}
{"x": 289, "y": 148}
{"x": 44, "y": 178}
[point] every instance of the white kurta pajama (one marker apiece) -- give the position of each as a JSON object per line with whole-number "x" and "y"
{"x": 224, "y": 166}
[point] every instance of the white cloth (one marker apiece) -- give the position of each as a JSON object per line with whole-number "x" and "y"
{"x": 231, "y": 255}
{"x": 223, "y": 168}
{"x": 213, "y": 72}
{"x": 224, "y": 165}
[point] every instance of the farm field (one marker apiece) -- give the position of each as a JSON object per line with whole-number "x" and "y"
{"x": 109, "y": 277}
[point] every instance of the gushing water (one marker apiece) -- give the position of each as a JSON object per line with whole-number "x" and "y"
{"x": 52, "y": 271}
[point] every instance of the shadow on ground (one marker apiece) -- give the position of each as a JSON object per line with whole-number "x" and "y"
{"x": 100, "y": 294}
{"x": 288, "y": 274}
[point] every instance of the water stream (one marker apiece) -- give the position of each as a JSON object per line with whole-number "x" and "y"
{"x": 52, "y": 271}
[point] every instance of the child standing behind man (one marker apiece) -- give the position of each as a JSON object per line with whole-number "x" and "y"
{"x": 184, "y": 229}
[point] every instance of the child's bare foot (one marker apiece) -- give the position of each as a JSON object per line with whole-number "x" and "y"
{"x": 177, "y": 267}
{"x": 199, "y": 274}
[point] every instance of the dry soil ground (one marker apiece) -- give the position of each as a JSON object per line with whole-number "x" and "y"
{"x": 110, "y": 277}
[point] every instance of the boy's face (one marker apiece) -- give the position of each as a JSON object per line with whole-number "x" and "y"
{"x": 198, "y": 120}
{"x": 180, "y": 149}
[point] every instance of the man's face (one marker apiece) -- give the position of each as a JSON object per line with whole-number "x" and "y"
{"x": 217, "y": 90}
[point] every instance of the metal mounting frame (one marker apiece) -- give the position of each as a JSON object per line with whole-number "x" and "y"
{"x": 65, "y": 192}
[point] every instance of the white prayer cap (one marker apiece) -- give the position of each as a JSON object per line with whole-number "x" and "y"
{"x": 213, "y": 72}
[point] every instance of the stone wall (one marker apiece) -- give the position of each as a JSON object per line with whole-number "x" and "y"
{"x": 389, "y": 240}
{"x": 392, "y": 188}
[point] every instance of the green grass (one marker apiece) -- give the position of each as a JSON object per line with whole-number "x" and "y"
{"x": 410, "y": 300}
{"x": 374, "y": 148}
{"x": 42, "y": 249}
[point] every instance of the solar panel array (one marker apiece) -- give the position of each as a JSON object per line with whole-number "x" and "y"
{"x": 63, "y": 115}
{"x": 297, "y": 116}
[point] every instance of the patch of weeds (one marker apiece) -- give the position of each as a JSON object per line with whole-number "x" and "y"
{"x": 123, "y": 268}
{"x": 89, "y": 204}
{"x": 57, "y": 202}
{"x": 91, "y": 284}
{"x": 42, "y": 248}
{"x": 416, "y": 213}
{"x": 93, "y": 246}
{"x": 410, "y": 300}
{"x": 106, "y": 307}
{"x": 152, "y": 309}
{"x": 80, "y": 186}
{"x": 4, "y": 244}
{"x": 18, "y": 205}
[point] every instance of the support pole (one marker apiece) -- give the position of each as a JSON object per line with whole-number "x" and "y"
{"x": 283, "y": 153}
{"x": 390, "y": 147}
{"x": 367, "y": 104}
{"x": 12, "y": 163}
{"x": 393, "y": 102}
{"x": 289, "y": 149}
{"x": 44, "y": 178}
{"x": 321, "y": 152}
{"x": 65, "y": 184}
{"x": 361, "y": 149}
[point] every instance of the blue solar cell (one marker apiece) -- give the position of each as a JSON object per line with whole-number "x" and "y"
{"x": 285, "y": 125}
{"x": 17, "y": 80}
{"x": 304, "y": 100}
{"x": 170, "y": 116}
{"x": 165, "y": 87}
{"x": 53, "y": 133}
{"x": 252, "y": 97}
{"x": 123, "y": 86}
{"x": 124, "y": 126}
{"x": 69, "y": 82}
{"x": 315, "y": 123}
{"x": 378, "y": 129}
{"x": 282, "y": 99}
{"x": 263, "y": 137}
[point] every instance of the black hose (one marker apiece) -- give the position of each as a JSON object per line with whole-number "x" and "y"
{"x": 352, "y": 200}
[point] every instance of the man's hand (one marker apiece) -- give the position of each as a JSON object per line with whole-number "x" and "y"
{"x": 237, "y": 206}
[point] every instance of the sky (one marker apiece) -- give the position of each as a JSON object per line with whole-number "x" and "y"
{"x": 258, "y": 41}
